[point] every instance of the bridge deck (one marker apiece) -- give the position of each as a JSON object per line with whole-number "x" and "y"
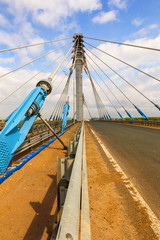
{"x": 114, "y": 213}
{"x": 28, "y": 198}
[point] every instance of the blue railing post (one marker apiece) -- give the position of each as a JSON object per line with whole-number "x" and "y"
{"x": 65, "y": 116}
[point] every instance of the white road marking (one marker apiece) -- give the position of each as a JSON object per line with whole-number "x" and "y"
{"x": 155, "y": 222}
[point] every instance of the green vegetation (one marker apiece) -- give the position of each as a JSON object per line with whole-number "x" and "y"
{"x": 140, "y": 119}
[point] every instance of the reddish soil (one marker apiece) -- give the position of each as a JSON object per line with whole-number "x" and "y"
{"x": 28, "y": 197}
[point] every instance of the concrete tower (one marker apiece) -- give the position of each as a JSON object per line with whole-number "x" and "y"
{"x": 79, "y": 62}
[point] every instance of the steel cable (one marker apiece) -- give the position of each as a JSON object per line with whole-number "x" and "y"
{"x": 100, "y": 106}
{"x": 104, "y": 91}
{"x": 32, "y": 45}
{"x": 29, "y": 79}
{"x": 112, "y": 81}
{"x": 147, "y": 74}
{"x": 55, "y": 89}
{"x": 60, "y": 64}
{"x": 125, "y": 44}
{"x": 36, "y": 59}
{"x": 105, "y": 83}
{"x": 123, "y": 79}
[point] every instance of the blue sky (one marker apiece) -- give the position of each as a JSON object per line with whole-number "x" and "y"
{"x": 126, "y": 17}
{"x": 31, "y": 21}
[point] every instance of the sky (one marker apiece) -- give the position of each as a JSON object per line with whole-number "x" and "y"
{"x": 24, "y": 22}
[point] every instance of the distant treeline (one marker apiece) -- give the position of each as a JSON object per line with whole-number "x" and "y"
{"x": 141, "y": 119}
{"x": 127, "y": 119}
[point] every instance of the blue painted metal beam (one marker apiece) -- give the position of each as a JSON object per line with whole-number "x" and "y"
{"x": 141, "y": 113}
{"x": 129, "y": 115}
{"x": 65, "y": 116}
{"x": 120, "y": 115}
{"x": 20, "y": 122}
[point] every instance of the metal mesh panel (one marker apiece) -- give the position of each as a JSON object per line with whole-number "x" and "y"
{"x": 4, "y": 157}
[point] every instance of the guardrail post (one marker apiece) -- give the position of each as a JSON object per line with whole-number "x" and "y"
{"x": 76, "y": 196}
{"x": 63, "y": 177}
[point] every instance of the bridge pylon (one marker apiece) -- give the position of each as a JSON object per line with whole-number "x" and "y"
{"x": 79, "y": 59}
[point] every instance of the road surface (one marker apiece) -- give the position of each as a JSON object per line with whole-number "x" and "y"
{"x": 137, "y": 150}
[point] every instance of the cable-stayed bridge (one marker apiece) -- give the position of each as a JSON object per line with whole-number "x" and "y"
{"x": 91, "y": 88}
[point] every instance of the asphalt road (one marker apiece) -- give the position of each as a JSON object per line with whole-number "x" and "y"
{"x": 137, "y": 150}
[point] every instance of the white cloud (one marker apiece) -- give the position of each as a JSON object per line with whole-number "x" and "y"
{"x": 135, "y": 56}
{"x": 146, "y": 60}
{"x": 85, "y": 5}
{"x": 49, "y": 13}
{"x": 149, "y": 87}
{"x": 15, "y": 80}
{"x": 145, "y": 30}
{"x": 142, "y": 32}
{"x": 7, "y": 38}
{"x": 6, "y": 60}
{"x": 137, "y": 21}
{"x": 24, "y": 35}
{"x": 118, "y": 3}
{"x": 104, "y": 17}
{"x": 153, "y": 26}
{"x": 3, "y": 20}
{"x": 55, "y": 55}
{"x": 55, "y": 14}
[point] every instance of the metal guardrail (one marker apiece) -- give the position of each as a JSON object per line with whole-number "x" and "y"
{"x": 145, "y": 123}
{"x": 38, "y": 134}
{"x": 85, "y": 217}
{"x": 39, "y": 126}
{"x": 74, "y": 223}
